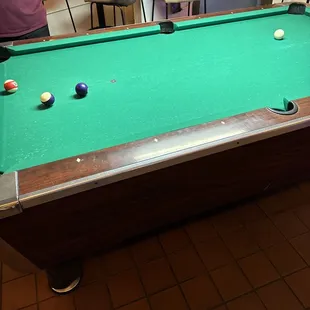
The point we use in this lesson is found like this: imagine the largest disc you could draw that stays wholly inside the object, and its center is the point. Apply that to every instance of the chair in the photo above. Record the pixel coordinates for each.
(115, 3)
(168, 2)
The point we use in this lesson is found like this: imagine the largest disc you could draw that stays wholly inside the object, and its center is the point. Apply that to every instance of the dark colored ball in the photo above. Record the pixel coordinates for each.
(81, 89)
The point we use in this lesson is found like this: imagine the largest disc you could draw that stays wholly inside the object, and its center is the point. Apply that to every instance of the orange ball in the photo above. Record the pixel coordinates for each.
(10, 86)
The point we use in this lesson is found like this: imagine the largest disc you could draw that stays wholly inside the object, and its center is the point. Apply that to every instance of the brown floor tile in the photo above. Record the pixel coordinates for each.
(92, 297)
(265, 233)
(303, 214)
(92, 270)
(117, 261)
(214, 253)
(300, 284)
(157, 276)
(230, 281)
(33, 307)
(43, 289)
(240, 243)
(19, 293)
(201, 293)
(258, 269)
(250, 212)
(289, 224)
(147, 250)
(200, 231)
(285, 258)
(227, 221)
(281, 201)
(174, 240)
(125, 288)
(301, 245)
(58, 303)
(9, 274)
(278, 296)
(272, 203)
(168, 300)
(186, 264)
(138, 305)
(246, 302)
(305, 189)
(221, 308)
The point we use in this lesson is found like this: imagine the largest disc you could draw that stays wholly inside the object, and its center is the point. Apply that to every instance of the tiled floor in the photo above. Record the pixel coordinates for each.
(252, 257)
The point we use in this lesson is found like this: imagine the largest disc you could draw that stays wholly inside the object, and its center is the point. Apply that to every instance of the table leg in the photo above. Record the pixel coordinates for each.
(64, 278)
(100, 14)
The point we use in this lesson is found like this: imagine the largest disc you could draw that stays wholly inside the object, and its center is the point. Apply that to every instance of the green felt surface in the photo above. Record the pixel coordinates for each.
(203, 72)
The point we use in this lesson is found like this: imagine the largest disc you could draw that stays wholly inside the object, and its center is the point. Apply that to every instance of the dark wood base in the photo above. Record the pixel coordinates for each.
(103, 217)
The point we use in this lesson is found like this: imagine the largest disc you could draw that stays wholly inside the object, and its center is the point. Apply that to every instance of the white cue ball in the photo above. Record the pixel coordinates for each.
(279, 34)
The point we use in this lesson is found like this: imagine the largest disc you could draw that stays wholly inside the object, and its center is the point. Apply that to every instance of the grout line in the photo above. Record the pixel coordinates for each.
(283, 277)
(36, 304)
(23, 276)
(206, 269)
(236, 262)
(171, 269)
(140, 278)
(36, 288)
(295, 213)
(108, 291)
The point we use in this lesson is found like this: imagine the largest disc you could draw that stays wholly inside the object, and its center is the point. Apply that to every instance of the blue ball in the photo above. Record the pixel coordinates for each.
(81, 89)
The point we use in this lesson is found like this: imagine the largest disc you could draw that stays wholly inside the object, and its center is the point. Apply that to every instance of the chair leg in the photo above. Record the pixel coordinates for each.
(122, 13)
(91, 16)
(114, 15)
(167, 10)
(195, 7)
(153, 9)
(205, 6)
(143, 10)
(189, 9)
(71, 17)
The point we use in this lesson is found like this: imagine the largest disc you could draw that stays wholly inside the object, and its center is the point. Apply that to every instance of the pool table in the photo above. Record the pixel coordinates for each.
(182, 116)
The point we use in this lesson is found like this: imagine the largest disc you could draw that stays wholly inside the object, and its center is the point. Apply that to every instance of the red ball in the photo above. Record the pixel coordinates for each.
(10, 86)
